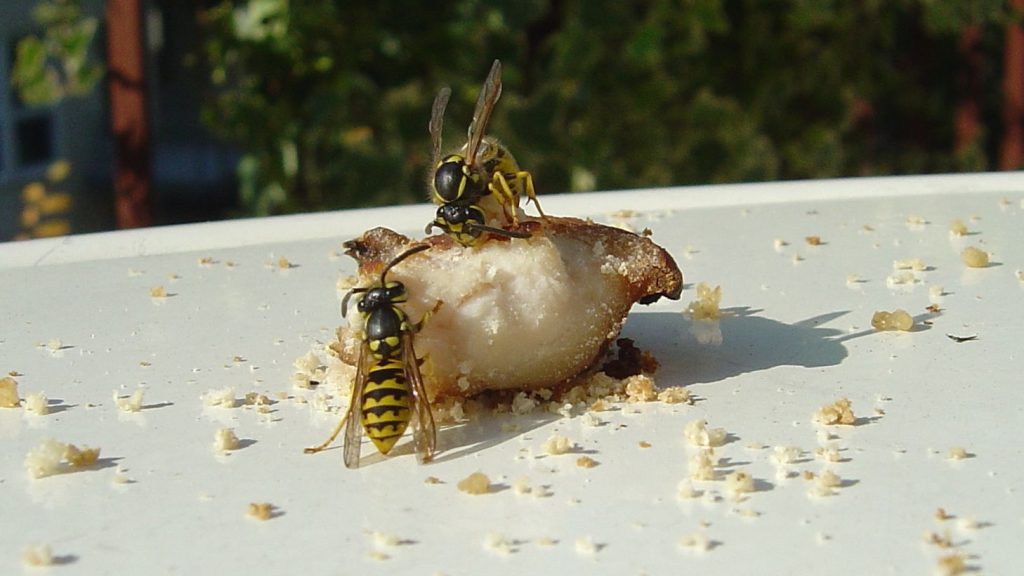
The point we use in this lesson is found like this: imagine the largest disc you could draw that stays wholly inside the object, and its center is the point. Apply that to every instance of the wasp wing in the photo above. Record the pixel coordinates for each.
(354, 424)
(424, 433)
(437, 122)
(489, 95)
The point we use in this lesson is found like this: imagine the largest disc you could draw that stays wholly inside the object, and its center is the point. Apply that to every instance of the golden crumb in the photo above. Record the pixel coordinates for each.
(828, 453)
(37, 555)
(915, 222)
(205, 261)
(898, 319)
(586, 462)
(824, 484)
(476, 483)
(813, 240)
(698, 541)
(557, 445)
(37, 404)
(698, 434)
(686, 491)
(52, 457)
(283, 263)
(739, 483)
(644, 444)
(260, 511)
(952, 565)
(958, 228)
(974, 258)
(585, 545)
(706, 306)
(224, 440)
(943, 540)
(499, 544)
(675, 395)
(158, 292)
(432, 480)
(782, 455)
(9, 393)
(132, 403)
(222, 398)
(641, 388)
(933, 309)
(702, 465)
(957, 453)
(838, 412)
(915, 264)
(941, 515)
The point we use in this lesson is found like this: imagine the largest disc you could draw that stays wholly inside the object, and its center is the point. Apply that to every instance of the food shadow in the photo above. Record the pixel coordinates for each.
(703, 351)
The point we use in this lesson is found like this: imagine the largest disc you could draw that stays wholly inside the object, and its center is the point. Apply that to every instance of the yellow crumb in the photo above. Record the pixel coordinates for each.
(706, 306)
(942, 515)
(813, 240)
(586, 462)
(158, 292)
(697, 541)
(958, 228)
(974, 258)
(585, 545)
(81, 457)
(957, 453)
(37, 404)
(557, 445)
(702, 465)
(898, 319)
(640, 388)
(223, 398)
(476, 483)
(225, 440)
(698, 434)
(675, 395)
(952, 564)
(131, 403)
(9, 393)
(283, 263)
(37, 555)
(52, 457)
(432, 480)
(499, 544)
(260, 510)
(644, 444)
(738, 483)
(838, 412)
(206, 261)
(915, 264)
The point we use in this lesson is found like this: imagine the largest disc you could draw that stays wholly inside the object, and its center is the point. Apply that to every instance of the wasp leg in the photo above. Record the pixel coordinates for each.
(330, 440)
(506, 196)
(414, 328)
(527, 179)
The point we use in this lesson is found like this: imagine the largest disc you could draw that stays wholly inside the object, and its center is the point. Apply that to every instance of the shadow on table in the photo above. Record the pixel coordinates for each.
(695, 351)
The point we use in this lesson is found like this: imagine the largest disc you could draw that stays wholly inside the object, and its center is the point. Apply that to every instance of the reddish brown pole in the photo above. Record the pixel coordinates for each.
(968, 111)
(1012, 150)
(128, 114)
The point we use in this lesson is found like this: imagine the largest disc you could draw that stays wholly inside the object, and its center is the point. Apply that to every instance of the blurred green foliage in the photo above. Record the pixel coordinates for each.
(57, 63)
(329, 101)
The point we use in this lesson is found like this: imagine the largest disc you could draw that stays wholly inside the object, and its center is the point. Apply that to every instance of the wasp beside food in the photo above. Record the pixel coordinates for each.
(388, 394)
(482, 169)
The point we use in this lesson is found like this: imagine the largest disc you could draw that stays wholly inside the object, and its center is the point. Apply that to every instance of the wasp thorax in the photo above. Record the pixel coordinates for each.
(450, 178)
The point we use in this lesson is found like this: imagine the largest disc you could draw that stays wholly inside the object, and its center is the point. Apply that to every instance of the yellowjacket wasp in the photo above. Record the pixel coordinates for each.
(481, 168)
(388, 392)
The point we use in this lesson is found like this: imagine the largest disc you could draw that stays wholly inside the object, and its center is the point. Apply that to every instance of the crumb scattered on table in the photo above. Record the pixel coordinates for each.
(476, 483)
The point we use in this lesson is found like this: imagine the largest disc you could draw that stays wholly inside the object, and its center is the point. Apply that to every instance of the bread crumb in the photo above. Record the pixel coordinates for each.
(557, 445)
(915, 264)
(941, 515)
(640, 388)
(952, 564)
(37, 555)
(702, 465)
(698, 541)
(225, 440)
(53, 344)
(52, 457)
(546, 541)
(899, 278)
(967, 523)
(936, 292)
(432, 480)
(915, 222)
(158, 292)
(838, 412)
(476, 483)
(739, 483)
(957, 453)
(131, 403)
(377, 555)
(261, 511)
(222, 398)
(585, 545)
(699, 435)
(957, 228)
(120, 476)
(675, 395)
(898, 319)
(942, 541)
(9, 393)
(499, 544)
(706, 306)
(205, 261)
(586, 462)
(974, 258)
(778, 244)
(644, 444)
(782, 455)
(825, 484)
(813, 240)
(687, 491)
(37, 404)
(828, 453)
(385, 540)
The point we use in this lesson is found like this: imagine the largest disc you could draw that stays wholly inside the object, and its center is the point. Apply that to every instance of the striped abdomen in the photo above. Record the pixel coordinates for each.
(386, 405)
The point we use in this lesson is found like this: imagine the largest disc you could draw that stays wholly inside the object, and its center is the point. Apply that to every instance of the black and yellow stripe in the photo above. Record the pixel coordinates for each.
(386, 407)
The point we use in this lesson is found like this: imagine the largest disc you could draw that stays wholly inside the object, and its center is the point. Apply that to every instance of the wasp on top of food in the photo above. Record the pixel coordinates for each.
(388, 392)
(478, 187)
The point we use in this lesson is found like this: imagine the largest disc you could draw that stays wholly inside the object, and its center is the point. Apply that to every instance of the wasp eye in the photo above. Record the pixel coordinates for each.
(448, 179)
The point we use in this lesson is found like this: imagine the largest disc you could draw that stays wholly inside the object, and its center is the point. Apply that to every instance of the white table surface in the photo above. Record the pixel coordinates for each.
(796, 336)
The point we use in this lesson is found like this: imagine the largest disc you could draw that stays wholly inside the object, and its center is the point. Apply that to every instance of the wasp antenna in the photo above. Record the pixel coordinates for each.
(399, 258)
(344, 301)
